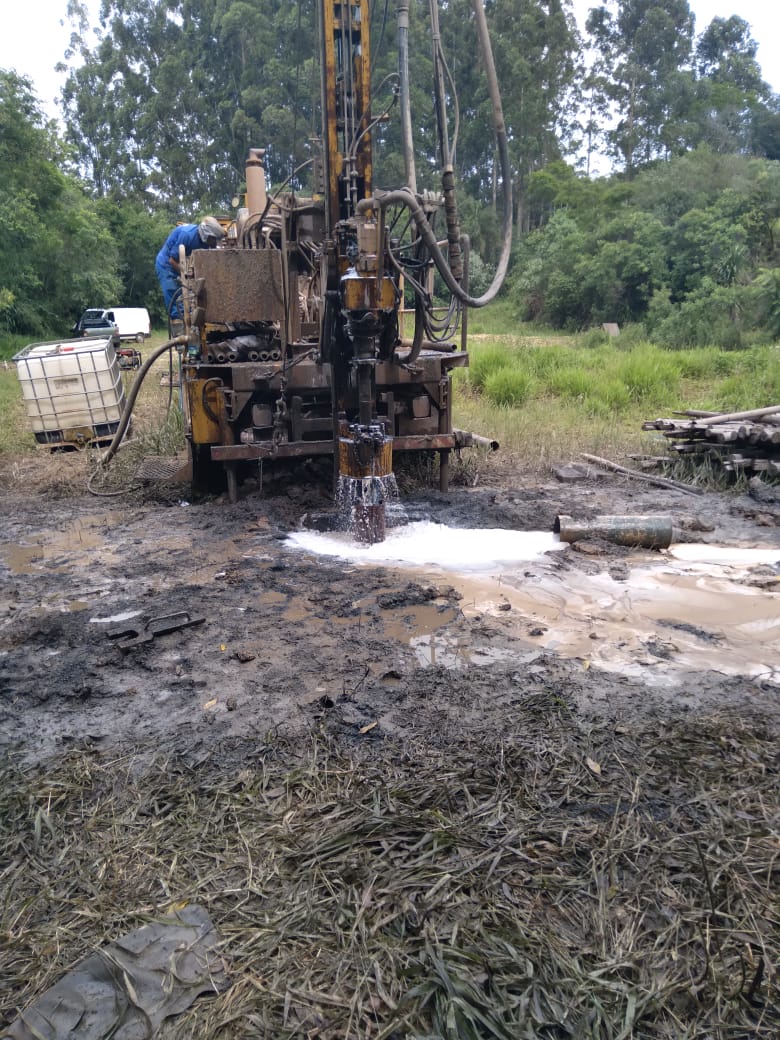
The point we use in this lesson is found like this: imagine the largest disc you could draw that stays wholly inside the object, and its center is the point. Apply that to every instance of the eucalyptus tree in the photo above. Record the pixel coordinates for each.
(645, 49)
(168, 100)
(736, 104)
(536, 47)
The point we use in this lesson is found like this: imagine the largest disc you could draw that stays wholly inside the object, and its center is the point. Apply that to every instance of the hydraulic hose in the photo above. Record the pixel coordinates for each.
(407, 196)
(419, 330)
(143, 371)
(406, 110)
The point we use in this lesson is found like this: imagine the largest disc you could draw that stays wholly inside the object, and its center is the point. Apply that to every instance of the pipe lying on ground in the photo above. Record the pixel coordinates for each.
(647, 532)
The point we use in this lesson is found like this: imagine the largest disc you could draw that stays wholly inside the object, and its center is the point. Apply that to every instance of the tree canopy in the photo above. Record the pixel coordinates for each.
(684, 248)
(163, 101)
(55, 252)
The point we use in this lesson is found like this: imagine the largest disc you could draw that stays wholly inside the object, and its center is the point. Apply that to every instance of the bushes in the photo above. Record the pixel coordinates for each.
(754, 380)
(485, 362)
(574, 383)
(712, 315)
(508, 387)
(704, 363)
(56, 252)
(648, 375)
(689, 252)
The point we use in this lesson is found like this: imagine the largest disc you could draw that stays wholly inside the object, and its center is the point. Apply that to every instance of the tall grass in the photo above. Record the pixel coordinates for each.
(549, 400)
(509, 387)
(489, 361)
(544, 398)
(15, 436)
(499, 318)
(11, 344)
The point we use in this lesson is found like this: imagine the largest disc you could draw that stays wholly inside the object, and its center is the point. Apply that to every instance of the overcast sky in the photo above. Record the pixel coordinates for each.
(33, 40)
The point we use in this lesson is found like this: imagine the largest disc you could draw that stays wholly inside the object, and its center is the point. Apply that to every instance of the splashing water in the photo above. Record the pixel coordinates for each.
(366, 506)
(366, 480)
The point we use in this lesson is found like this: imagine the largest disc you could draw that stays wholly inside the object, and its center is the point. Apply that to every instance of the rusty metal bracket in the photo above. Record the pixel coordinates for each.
(133, 635)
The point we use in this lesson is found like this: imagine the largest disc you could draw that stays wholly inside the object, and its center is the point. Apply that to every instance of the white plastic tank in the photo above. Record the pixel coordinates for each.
(72, 389)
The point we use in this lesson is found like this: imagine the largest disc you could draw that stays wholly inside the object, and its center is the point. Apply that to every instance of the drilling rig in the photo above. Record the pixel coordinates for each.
(294, 337)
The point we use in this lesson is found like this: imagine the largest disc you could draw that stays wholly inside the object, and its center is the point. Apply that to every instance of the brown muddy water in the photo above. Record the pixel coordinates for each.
(688, 608)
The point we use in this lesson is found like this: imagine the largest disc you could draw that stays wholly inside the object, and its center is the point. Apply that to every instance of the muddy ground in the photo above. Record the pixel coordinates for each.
(537, 801)
(288, 640)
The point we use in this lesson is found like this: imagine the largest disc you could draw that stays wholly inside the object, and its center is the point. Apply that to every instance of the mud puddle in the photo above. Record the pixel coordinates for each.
(686, 610)
(423, 646)
(74, 543)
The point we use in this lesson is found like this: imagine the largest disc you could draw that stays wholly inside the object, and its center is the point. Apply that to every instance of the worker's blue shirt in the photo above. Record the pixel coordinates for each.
(186, 235)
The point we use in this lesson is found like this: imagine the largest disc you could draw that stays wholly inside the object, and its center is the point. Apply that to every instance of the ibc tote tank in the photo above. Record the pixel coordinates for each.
(72, 389)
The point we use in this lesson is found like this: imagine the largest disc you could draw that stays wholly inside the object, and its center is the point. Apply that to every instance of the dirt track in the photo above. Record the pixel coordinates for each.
(289, 639)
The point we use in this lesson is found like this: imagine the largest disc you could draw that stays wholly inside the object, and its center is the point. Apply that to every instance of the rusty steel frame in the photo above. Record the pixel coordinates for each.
(246, 283)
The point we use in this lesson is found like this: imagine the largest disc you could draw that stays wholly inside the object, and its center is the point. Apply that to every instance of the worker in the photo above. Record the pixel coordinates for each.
(206, 235)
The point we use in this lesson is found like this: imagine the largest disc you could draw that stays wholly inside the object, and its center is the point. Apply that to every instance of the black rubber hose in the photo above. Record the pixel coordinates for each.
(143, 371)
(408, 198)
(419, 328)
(405, 198)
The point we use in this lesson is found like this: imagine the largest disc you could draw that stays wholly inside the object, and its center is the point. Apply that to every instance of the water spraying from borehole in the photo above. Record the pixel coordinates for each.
(367, 488)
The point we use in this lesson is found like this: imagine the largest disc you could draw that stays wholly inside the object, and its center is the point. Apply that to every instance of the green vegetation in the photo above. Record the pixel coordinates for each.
(544, 397)
(688, 249)
(161, 109)
(11, 344)
(680, 245)
(549, 399)
(15, 436)
(62, 250)
(611, 379)
(54, 250)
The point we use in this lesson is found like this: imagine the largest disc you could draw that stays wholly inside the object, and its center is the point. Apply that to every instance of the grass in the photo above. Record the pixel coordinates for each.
(561, 876)
(15, 437)
(545, 400)
(545, 397)
(498, 318)
(548, 881)
(11, 344)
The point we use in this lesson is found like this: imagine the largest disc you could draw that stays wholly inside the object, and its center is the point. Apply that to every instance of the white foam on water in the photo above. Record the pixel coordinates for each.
(696, 552)
(429, 544)
(692, 608)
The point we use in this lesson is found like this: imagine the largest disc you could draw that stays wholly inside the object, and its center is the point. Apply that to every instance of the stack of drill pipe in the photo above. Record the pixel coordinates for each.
(743, 442)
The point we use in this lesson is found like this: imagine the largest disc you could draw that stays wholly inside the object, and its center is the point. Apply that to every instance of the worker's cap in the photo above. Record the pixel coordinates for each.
(210, 228)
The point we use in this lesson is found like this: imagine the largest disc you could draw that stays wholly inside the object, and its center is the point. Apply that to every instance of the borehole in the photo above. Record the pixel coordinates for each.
(366, 480)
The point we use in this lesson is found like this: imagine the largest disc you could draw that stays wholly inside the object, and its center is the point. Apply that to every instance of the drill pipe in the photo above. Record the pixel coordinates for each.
(647, 532)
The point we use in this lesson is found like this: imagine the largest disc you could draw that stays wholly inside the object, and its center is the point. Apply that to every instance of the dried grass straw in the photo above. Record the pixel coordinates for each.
(558, 881)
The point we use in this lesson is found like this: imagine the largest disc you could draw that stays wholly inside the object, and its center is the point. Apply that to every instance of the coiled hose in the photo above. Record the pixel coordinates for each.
(407, 196)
